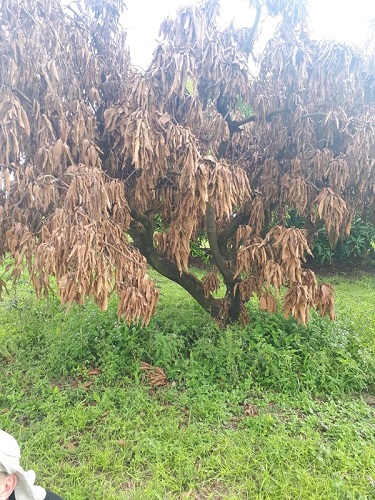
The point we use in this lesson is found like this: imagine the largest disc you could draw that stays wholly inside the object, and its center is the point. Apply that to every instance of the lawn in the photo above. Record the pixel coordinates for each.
(272, 410)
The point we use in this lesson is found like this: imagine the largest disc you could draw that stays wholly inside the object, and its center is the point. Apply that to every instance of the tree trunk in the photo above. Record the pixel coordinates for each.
(169, 269)
(225, 310)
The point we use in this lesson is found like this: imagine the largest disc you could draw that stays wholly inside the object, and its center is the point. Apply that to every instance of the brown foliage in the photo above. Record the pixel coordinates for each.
(210, 283)
(91, 150)
(153, 375)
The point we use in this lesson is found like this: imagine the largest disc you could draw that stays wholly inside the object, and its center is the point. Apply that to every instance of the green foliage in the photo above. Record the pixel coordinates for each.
(238, 407)
(199, 248)
(323, 358)
(245, 109)
(277, 354)
(293, 219)
(322, 249)
(190, 86)
(359, 244)
(158, 223)
(200, 253)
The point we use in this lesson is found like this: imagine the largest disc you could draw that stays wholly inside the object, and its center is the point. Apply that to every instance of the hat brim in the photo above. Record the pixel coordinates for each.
(25, 488)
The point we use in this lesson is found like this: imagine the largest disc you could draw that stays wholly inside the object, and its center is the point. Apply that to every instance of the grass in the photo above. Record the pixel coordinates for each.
(271, 410)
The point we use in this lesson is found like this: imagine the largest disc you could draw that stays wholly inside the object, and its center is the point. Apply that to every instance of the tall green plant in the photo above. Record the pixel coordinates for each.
(358, 244)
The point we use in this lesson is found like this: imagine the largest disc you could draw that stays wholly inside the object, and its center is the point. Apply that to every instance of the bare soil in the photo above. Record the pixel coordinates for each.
(348, 267)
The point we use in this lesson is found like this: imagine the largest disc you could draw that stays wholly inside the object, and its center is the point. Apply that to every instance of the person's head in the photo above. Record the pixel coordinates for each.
(7, 484)
(12, 476)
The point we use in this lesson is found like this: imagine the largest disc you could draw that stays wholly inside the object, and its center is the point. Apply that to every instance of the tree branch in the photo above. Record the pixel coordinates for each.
(21, 94)
(271, 114)
(254, 27)
(222, 265)
(253, 118)
(314, 115)
(235, 126)
(143, 240)
(232, 227)
(146, 223)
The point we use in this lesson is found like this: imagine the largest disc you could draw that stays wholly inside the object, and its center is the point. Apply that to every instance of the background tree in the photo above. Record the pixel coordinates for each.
(92, 150)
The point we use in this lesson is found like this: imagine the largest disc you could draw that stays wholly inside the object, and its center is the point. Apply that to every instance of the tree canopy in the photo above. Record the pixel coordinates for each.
(106, 170)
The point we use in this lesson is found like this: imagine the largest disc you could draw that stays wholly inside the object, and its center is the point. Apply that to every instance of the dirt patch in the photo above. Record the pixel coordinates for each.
(349, 267)
(370, 399)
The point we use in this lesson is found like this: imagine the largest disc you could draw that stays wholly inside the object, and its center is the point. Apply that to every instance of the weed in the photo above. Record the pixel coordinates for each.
(263, 411)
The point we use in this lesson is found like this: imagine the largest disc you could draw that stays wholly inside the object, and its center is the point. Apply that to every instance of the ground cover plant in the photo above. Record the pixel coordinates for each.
(268, 410)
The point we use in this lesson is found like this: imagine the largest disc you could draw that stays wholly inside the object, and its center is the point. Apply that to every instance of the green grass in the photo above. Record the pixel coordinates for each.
(272, 410)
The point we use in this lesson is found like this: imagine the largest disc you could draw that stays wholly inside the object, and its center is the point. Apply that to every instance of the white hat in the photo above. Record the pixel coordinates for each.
(10, 456)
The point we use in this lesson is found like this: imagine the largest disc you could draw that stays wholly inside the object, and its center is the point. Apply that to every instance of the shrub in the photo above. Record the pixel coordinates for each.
(270, 352)
(279, 354)
(359, 244)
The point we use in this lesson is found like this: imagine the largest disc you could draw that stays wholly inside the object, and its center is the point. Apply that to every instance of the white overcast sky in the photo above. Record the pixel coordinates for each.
(344, 20)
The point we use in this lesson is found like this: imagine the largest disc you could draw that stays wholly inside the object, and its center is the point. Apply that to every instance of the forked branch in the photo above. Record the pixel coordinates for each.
(143, 240)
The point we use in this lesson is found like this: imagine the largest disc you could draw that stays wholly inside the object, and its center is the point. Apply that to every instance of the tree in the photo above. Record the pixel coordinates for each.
(93, 152)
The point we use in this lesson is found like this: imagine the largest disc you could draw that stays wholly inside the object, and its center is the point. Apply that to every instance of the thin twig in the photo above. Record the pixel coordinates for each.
(21, 94)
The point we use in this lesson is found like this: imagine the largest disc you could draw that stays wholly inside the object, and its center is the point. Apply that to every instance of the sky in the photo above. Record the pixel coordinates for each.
(344, 20)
